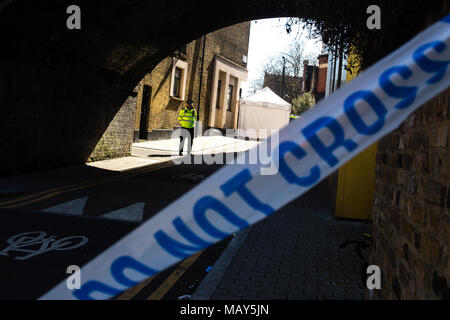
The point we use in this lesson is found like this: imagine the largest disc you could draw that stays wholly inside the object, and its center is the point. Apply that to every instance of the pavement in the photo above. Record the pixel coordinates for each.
(294, 254)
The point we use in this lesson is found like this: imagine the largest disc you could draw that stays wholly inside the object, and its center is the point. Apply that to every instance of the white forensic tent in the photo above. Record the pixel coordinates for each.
(263, 110)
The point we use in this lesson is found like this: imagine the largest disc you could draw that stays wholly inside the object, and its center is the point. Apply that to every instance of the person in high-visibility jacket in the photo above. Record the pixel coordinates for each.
(187, 118)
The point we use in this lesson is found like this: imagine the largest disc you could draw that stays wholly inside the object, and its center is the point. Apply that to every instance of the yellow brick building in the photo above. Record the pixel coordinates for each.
(208, 70)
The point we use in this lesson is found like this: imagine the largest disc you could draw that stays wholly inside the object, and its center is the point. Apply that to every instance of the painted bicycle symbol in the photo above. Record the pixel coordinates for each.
(36, 242)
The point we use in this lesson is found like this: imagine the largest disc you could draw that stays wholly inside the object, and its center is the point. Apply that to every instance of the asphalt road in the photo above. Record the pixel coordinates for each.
(45, 231)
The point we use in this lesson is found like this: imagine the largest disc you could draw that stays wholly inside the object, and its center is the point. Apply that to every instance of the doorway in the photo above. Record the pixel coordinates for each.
(145, 110)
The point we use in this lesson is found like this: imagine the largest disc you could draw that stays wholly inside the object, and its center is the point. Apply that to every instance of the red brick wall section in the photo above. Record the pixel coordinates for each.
(411, 218)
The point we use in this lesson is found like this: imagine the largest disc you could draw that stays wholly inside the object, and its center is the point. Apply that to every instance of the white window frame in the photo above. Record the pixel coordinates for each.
(183, 65)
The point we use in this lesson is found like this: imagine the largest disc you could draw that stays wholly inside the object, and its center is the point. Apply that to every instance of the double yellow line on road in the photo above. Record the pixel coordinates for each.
(45, 194)
(165, 286)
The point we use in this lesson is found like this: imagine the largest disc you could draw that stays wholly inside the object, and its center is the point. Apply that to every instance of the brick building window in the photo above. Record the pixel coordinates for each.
(178, 79)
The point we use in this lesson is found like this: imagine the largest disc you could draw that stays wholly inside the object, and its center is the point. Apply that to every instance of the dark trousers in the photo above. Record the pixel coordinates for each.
(186, 133)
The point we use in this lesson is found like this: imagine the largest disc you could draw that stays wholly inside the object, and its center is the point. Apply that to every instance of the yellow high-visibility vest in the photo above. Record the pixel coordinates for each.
(187, 118)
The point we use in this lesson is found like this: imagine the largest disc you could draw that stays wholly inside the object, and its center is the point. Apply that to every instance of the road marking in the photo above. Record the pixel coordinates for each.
(134, 213)
(173, 278)
(130, 293)
(75, 207)
(81, 186)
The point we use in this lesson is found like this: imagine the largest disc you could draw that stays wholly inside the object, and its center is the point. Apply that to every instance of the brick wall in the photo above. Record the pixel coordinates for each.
(411, 212)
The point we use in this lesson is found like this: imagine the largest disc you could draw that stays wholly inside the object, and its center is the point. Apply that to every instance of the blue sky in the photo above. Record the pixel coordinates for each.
(268, 37)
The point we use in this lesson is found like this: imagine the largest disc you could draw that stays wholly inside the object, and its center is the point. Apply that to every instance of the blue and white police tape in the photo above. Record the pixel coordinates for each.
(237, 196)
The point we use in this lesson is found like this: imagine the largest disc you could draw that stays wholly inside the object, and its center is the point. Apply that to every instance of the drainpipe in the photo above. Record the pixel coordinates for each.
(201, 77)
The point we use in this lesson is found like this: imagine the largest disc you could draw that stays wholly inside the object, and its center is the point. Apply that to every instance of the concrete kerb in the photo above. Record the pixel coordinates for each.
(209, 284)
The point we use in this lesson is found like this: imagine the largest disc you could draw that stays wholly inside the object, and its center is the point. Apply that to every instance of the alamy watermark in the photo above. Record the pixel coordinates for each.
(74, 280)
(74, 20)
(374, 279)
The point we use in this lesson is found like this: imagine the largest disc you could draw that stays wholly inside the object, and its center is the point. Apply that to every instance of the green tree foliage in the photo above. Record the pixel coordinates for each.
(303, 103)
